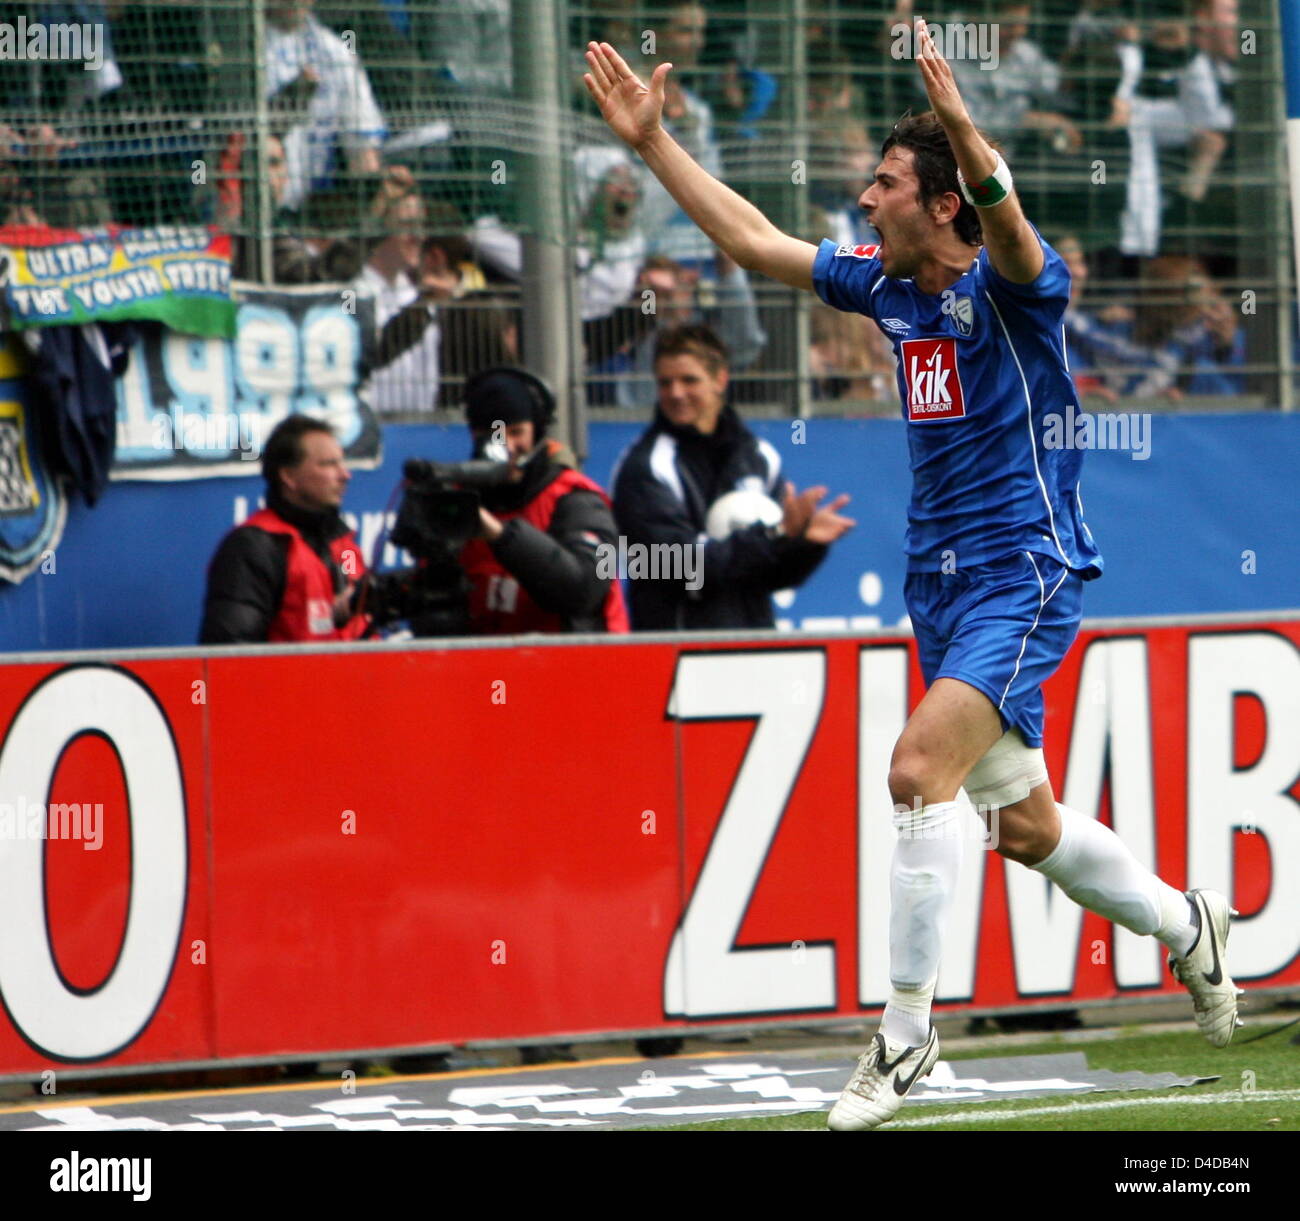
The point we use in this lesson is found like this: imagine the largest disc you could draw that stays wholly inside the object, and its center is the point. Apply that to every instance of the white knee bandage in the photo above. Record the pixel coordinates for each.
(1007, 773)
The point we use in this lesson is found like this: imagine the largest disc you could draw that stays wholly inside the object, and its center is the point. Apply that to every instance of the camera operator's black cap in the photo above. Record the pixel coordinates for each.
(509, 395)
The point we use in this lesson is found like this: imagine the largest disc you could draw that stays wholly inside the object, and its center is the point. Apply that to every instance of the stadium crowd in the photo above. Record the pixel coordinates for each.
(379, 132)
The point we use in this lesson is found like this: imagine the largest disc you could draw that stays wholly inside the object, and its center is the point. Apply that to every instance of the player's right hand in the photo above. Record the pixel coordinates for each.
(633, 110)
(940, 84)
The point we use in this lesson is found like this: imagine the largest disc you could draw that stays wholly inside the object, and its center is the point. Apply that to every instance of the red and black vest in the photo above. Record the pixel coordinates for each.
(307, 609)
(498, 604)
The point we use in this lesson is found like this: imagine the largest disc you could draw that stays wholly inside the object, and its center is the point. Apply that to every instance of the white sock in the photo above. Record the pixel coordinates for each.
(1092, 865)
(923, 876)
(907, 1015)
(1180, 922)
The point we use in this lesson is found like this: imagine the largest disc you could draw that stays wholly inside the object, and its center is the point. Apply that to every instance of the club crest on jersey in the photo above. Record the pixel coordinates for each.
(961, 310)
(963, 315)
(856, 252)
(933, 383)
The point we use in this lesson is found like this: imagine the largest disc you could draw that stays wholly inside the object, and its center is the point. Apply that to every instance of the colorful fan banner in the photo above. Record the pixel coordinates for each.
(175, 274)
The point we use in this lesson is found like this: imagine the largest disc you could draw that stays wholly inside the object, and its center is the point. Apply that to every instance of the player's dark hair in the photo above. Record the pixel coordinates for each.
(695, 340)
(284, 446)
(936, 168)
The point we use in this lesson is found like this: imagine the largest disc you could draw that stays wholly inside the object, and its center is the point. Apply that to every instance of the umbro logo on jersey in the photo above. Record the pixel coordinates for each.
(933, 383)
(896, 325)
(856, 252)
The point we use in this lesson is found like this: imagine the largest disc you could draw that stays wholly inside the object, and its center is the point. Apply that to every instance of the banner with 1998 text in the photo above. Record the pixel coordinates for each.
(191, 408)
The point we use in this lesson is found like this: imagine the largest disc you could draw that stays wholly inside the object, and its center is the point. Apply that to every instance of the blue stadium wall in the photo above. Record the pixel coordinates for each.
(1209, 523)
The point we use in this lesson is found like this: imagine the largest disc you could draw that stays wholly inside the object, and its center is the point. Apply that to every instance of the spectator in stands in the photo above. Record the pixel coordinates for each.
(163, 58)
(480, 330)
(39, 101)
(295, 259)
(1021, 96)
(393, 39)
(1168, 97)
(739, 92)
(1096, 30)
(474, 45)
(324, 94)
(1182, 339)
(669, 295)
(851, 358)
(404, 373)
(1189, 328)
(1102, 361)
(1090, 58)
(696, 451)
(449, 284)
(832, 95)
(611, 246)
(615, 22)
(842, 166)
(688, 117)
(290, 571)
(1218, 35)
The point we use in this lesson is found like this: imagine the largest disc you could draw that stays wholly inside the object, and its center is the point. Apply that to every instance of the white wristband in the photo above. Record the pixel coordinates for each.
(993, 190)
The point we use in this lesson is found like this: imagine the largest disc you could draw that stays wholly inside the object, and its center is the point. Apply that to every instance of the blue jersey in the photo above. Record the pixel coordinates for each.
(981, 372)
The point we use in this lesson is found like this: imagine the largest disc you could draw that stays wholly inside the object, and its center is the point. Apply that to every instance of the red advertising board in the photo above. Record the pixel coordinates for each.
(211, 857)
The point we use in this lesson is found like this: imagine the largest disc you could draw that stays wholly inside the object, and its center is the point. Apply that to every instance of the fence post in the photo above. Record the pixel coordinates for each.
(803, 301)
(548, 326)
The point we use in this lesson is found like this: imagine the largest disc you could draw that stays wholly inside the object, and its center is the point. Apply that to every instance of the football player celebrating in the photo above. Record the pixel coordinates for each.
(972, 299)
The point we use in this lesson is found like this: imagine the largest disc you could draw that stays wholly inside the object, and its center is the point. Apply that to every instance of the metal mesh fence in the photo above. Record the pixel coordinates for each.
(389, 145)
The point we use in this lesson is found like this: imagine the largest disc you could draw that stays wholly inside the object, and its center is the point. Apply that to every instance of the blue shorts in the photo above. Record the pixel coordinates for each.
(1003, 628)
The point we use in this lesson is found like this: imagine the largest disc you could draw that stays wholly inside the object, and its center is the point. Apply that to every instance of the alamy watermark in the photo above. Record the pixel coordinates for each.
(214, 432)
(651, 562)
(81, 820)
(975, 40)
(910, 824)
(23, 40)
(1078, 429)
(128, 1175)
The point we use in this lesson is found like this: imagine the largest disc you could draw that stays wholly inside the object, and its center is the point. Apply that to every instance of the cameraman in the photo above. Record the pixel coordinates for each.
(289, 572)
(534, 566)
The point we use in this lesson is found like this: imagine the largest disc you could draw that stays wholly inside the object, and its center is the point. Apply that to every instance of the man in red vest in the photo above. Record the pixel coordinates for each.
(289, 572)
(536, 565)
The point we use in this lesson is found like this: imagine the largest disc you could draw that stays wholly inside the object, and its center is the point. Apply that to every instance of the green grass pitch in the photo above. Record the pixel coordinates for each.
(1258, 1090)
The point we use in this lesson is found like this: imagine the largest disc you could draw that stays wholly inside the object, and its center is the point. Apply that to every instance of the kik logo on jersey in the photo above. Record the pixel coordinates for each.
(933, 383)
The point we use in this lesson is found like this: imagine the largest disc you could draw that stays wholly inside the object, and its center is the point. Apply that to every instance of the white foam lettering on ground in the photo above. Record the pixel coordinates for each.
(753, 1087)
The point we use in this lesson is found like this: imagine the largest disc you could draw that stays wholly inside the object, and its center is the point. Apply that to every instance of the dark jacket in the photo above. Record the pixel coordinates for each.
(664, 484)
(558, 568)
(71, 373)
(247, 574)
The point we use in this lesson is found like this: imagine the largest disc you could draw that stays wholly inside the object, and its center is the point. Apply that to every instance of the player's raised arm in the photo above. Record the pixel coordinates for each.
(1013, 248)
(634, 111)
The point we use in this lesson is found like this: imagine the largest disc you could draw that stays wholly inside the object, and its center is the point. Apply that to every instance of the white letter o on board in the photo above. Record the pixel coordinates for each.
(57, 1021)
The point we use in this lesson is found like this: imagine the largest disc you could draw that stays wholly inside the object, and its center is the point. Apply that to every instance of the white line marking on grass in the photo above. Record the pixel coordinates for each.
(1077, 1108)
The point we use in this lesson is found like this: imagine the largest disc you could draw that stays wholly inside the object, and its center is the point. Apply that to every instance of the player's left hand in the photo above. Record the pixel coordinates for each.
(940, 86)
